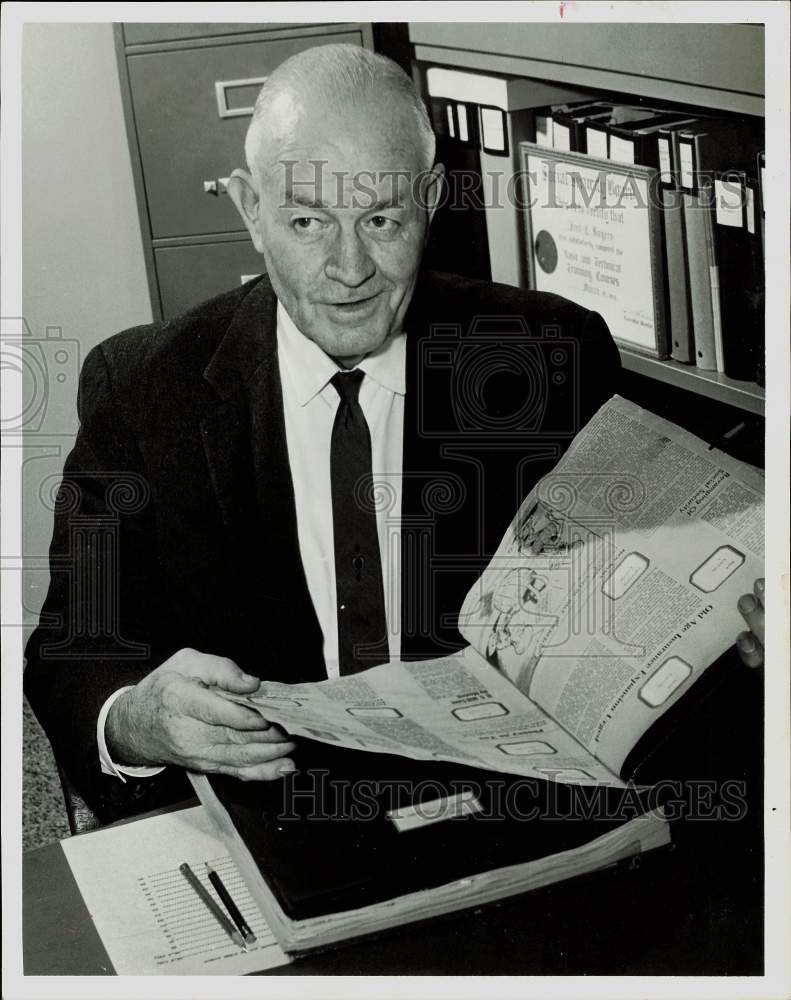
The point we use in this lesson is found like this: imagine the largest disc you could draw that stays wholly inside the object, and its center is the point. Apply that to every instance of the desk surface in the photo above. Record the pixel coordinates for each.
(695, 910)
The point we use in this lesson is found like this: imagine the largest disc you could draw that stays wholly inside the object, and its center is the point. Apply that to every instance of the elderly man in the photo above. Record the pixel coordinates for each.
(210, 530)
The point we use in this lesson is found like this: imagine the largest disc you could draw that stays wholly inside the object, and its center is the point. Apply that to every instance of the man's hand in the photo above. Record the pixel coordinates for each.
(173, 716)
(751, 644)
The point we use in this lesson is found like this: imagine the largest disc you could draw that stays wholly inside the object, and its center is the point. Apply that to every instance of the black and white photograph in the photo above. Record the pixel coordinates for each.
(395, 408)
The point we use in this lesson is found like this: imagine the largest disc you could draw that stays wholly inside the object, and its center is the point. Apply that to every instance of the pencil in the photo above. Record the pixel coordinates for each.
(230, 906)
(222, 920)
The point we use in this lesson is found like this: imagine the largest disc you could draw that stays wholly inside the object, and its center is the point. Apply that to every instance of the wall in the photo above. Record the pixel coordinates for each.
(83, 269)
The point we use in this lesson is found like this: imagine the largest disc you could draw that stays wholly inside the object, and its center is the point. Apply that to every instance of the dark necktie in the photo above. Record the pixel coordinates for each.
(362, 625)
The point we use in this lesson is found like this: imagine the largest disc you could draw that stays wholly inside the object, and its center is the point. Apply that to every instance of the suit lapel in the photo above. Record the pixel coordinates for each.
(245, 444)
(244, 359)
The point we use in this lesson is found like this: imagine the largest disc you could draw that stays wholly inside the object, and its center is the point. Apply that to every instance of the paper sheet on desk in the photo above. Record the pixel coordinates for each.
(149, 918)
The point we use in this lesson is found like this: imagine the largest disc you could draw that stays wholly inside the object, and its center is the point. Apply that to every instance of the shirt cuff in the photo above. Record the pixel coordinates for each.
(105, 761)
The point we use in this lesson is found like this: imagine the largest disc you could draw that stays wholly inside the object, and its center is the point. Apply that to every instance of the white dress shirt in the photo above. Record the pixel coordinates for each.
(309, 404)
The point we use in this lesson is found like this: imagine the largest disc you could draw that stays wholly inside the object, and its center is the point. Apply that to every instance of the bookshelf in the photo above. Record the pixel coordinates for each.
(717, 67)
(714, 385)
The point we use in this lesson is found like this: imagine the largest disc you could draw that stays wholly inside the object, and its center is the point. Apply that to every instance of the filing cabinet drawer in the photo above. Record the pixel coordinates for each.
(191, 131)
(189, 275)
(139, 33)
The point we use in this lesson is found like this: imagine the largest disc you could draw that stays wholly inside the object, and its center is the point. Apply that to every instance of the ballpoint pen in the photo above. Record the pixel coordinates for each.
(230, 906)
(222, 920)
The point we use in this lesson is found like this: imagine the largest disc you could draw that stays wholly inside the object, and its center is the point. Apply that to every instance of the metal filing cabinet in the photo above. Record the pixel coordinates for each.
(188, 92)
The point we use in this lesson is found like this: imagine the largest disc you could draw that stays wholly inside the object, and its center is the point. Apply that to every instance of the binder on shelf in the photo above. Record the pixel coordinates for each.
(740, 265)
(703, 275)
(458, 239)
(634, 142)
(568, 127)
(544, 127)
(597, 133)
(545, 120)
(703, 149)
(682, 347)
(482, 119)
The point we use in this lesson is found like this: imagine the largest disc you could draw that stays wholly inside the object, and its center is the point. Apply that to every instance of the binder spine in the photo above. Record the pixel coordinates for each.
(714, 279)
(682, 346)
(700, 252)
(681, 340)
(502, 192)
(698, 248)
(597, 141)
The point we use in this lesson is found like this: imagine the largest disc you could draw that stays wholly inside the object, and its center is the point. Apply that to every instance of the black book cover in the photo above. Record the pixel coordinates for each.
(324, 843)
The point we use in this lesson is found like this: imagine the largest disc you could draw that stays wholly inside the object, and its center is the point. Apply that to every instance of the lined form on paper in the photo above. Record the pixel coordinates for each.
(148, 916)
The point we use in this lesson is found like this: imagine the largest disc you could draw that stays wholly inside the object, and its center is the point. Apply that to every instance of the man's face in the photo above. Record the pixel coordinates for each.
(341, 226)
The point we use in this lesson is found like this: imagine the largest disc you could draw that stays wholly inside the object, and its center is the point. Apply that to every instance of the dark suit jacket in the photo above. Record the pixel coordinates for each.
(175, 524)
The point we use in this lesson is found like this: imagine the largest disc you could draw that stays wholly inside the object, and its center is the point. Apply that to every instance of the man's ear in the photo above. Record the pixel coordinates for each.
(434, 189)
(243, 193)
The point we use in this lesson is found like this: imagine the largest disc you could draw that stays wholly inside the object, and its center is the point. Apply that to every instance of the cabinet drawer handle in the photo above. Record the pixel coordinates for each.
(220, 186)
(221, 88)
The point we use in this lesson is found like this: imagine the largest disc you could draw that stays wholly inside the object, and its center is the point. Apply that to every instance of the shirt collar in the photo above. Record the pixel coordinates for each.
(387, 364)
(309, 369)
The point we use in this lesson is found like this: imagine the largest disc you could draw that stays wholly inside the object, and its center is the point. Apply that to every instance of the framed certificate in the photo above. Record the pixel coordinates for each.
(593, 235)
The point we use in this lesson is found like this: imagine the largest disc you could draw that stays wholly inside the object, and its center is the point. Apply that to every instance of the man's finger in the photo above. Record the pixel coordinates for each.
(750, 650)
(274, 734)
(753, 613)
(209, 707)
(760, 588)
(248, 755)
(218, 671)
(262, 772)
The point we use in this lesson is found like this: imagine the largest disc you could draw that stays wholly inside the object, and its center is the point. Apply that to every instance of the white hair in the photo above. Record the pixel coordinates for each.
(343, 74)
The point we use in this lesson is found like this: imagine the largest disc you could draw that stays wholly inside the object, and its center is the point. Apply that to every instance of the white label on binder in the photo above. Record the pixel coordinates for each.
(597, 142)
(621, 150)
(763, 190)
(451, 123)
(665, 173)
(435, 811)
(685, 157)
(473, 88)
(749, 211)
(461, 115)
(492, 129)
(729, 199)
(561, 137)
